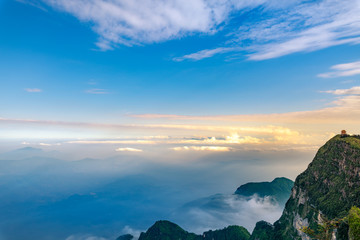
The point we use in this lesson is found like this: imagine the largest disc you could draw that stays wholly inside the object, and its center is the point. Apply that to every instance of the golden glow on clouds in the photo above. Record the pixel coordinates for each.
(303, 129)
(128, 149)
(232, 139)
(350, 91)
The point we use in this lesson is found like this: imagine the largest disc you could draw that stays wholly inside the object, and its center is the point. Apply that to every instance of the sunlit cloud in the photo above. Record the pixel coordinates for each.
(232, 131)
(155, 137)
(33, 90)
(128, 149)
(203, 148)
(343, 70)
(232, 139)
(96, 91)
(49, 144)
(351, 91)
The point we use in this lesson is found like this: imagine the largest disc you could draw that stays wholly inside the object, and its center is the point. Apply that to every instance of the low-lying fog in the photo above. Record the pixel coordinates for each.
(43, 195)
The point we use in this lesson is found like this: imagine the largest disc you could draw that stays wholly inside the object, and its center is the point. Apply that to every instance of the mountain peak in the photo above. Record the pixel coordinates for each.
(279, 188)
(165, 230)
(327, 189)
(353, 140)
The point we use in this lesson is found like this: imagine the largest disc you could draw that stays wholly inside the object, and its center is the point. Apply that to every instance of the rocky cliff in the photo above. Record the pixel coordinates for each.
(327, 189)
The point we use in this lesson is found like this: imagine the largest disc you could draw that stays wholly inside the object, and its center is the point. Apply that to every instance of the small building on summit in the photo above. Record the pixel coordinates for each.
(343, 133)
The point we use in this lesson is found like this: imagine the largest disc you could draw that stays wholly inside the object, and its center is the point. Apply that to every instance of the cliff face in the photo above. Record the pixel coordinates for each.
(328, 189)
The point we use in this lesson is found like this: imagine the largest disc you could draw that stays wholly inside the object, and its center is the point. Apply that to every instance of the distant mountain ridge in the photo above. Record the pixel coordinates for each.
(26, 153)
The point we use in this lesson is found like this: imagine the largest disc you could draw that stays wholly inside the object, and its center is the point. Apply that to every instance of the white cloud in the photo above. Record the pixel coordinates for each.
(301, 26)
(49, 144)
(33, 90)
(207, 53)
(96, 91)
(343, 70)
(308, 26)
(130, 22)
(278, 28)
(351, 91)
(219, 211)
(134, 232)
(232, 139)
(127, 149)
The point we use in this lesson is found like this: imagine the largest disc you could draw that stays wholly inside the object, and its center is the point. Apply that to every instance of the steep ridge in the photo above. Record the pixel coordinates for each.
(327, 189)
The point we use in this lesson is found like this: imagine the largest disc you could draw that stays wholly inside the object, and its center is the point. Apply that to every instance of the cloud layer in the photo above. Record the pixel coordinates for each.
(219, 211)
(217, 133)
(145, 21)
(267, 29)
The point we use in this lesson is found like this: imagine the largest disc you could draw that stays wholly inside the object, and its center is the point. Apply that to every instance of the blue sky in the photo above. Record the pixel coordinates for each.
(107, 62)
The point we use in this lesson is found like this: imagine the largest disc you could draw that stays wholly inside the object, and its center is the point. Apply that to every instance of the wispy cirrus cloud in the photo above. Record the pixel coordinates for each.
(273, 29)
(33, 90)
(206, 53)
(309, 26)
(343, 70)
(146, 21)
(304, 27)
